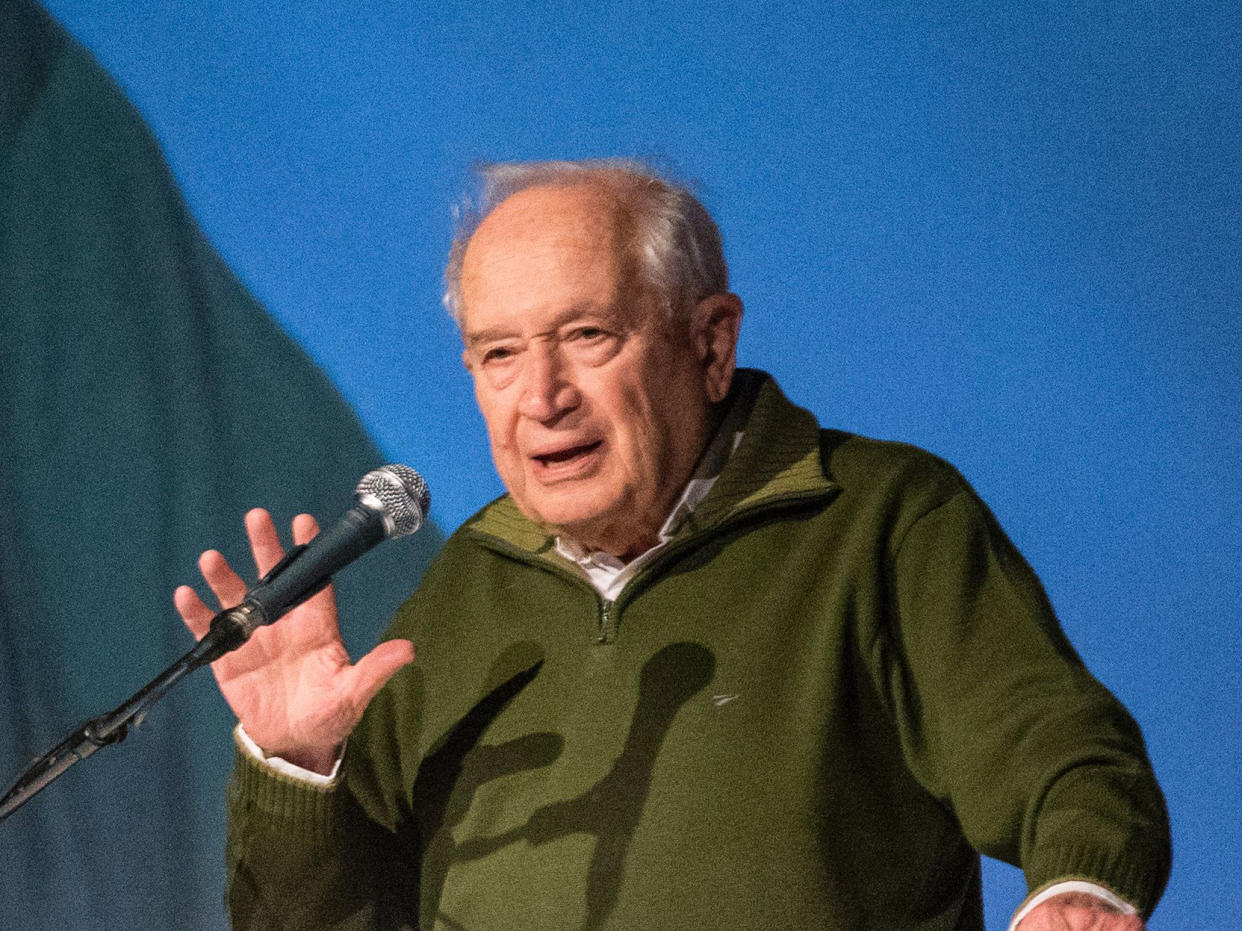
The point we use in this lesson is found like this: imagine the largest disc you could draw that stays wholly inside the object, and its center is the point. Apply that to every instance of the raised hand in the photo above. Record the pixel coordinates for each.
(291, 685)
(1076, 911)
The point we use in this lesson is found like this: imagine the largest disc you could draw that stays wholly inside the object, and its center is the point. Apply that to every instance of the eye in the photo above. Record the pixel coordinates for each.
(498, 354)
(592, 345)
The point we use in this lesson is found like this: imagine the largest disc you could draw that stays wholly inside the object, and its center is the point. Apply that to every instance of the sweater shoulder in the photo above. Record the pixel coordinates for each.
(889, 469)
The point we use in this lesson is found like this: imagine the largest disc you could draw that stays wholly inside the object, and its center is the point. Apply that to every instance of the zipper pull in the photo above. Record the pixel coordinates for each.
(605, 622)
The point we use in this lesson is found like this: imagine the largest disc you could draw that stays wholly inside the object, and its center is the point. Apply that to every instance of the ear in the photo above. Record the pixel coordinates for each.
(714, 326)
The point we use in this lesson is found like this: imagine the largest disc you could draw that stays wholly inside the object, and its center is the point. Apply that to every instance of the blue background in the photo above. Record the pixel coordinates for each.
(1007, 233)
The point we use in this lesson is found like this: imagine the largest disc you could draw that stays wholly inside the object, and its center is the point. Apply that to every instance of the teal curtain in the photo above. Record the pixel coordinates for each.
(148, 401)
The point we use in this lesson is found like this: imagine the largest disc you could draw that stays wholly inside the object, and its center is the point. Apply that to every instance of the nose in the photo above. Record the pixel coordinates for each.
(548, 391)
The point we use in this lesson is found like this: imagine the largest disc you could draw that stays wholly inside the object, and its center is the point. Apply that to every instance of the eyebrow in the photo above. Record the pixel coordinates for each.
(488, 334)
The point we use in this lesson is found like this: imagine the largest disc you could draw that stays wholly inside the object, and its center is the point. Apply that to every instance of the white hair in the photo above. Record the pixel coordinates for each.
(674, 240)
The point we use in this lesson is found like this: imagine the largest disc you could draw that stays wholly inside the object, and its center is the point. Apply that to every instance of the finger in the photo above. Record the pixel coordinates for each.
(265, 544)
(194, 612)
(377, 667)
(224, 583)
(305, 529)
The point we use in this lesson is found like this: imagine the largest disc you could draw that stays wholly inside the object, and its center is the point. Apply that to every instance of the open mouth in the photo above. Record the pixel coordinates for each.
(566, 459)
(567, 455)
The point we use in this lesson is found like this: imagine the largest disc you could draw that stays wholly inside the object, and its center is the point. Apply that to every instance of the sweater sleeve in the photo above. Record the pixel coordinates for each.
(1000, 720)
(303, 856)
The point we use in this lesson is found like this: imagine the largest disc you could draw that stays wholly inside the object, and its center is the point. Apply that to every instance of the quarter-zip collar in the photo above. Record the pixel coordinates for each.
(777, 461)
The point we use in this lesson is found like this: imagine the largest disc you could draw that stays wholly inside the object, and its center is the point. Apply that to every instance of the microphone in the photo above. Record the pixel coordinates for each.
(392, 502)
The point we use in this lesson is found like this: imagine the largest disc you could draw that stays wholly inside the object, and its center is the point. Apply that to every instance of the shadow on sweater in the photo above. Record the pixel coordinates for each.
(610, 810)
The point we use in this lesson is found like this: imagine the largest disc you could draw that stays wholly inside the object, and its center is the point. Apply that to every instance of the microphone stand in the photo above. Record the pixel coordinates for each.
(229, 630)
(108, 728)
(391, 502)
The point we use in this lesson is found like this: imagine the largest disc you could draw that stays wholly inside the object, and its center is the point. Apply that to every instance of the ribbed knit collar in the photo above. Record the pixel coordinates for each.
(777, 460)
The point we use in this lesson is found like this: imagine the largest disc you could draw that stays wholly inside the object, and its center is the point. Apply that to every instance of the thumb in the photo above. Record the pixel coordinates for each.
(376, 668)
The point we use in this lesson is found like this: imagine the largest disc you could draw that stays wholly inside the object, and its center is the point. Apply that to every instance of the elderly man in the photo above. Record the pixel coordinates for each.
(704, 665)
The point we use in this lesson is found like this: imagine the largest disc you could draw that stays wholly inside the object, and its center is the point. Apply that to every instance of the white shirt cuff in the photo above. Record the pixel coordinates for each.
(1072, 885)
(283, 766)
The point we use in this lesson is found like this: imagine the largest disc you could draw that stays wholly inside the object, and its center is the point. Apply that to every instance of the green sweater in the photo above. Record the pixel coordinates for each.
(836, 684)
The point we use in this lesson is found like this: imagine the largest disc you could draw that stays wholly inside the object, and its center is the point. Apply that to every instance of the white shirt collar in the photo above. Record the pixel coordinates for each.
(606, 572)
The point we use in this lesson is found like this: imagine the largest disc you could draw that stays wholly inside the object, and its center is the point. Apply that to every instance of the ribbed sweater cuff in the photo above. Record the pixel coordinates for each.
(304, 812)
(1136, 876)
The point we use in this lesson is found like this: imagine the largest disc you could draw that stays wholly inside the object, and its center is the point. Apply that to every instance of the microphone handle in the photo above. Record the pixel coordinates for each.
(308, 568)
(304, 572)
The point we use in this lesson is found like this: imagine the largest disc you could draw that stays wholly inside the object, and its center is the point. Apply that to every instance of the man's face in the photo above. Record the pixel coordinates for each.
(597, 405)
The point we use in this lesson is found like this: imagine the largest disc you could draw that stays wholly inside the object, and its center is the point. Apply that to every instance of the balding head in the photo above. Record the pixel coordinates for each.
(670, 238)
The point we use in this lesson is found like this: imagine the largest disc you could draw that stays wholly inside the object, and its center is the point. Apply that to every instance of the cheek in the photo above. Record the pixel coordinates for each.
(643, 442)
(666, 433)
(499, 419)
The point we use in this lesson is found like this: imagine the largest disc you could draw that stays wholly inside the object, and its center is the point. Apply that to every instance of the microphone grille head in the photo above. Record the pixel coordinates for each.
(399, 493)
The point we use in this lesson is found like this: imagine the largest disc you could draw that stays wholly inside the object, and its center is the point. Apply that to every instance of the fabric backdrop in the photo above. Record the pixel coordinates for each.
(148, 401)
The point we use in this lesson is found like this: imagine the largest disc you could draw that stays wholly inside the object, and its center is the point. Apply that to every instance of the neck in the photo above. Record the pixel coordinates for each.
(634, 541)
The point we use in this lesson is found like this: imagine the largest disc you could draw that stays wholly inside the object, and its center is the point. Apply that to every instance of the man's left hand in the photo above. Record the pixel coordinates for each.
(1078, 911)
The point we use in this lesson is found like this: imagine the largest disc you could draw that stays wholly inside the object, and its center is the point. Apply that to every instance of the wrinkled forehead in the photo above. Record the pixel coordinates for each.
(544, 231)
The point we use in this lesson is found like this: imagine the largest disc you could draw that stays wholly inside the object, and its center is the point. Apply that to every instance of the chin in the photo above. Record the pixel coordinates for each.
(579, 520)
(571, 523)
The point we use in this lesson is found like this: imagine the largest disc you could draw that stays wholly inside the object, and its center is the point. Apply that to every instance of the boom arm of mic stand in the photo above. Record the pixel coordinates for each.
(229, 630)
(106, 729)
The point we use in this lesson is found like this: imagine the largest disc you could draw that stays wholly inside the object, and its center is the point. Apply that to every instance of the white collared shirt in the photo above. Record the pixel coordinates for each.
(608, 574)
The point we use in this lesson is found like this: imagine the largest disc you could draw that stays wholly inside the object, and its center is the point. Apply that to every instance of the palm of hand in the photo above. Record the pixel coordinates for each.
(292, 685)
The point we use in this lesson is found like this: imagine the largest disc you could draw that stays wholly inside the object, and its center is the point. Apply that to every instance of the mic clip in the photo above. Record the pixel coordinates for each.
(233, 626)
(282, 565)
